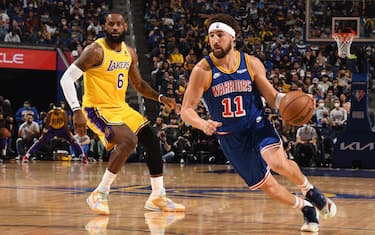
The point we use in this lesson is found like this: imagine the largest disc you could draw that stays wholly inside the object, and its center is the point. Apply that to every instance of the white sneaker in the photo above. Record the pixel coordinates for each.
(98, 202)
(162, 203)
(311, 219)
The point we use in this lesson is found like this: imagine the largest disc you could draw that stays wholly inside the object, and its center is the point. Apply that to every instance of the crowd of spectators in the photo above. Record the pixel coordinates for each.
(61, 23)
(272, 31)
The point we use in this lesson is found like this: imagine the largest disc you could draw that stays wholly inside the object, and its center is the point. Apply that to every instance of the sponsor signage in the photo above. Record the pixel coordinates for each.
(355, 146)
(27, 59)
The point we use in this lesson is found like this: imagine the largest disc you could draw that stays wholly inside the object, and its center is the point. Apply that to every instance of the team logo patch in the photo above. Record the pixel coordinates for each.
(359, 94)
(216, 75)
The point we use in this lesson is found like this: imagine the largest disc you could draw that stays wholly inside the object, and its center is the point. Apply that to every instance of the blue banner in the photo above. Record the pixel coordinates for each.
(355, 146)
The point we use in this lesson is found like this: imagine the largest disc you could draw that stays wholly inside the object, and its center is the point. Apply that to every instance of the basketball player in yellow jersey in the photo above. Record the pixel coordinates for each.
(106, 66)
(56, 126)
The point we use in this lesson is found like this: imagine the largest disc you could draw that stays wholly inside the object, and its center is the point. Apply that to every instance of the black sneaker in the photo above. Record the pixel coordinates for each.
(311, 220)
(325, 205)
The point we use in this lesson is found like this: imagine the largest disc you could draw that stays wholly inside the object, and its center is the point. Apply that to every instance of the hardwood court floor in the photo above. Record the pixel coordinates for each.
(49, 198)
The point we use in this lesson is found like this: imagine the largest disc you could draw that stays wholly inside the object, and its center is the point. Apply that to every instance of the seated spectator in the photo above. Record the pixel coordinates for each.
(182, 147)
(159, 124)
(176, 58)
(325, 83)
(327, 134)
(165, 147)
(320, 110)
(28, 133)
(172, 130)
(316, 86)
(338, 117)
(12, 37)
(345, 102)
(336, 88)
(329, 100)
(305, 151)
(3, 30)
(23, 111)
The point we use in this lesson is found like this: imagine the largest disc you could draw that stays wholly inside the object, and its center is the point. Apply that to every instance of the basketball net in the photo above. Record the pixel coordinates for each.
(343, 40)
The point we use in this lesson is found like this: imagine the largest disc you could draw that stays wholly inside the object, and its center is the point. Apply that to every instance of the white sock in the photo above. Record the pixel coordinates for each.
(157, 186)
(27, 155)
(305, 187)
(107, 180)
(300, 203)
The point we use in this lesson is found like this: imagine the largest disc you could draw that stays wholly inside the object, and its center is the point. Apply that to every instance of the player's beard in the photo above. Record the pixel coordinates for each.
(115, 39)
(223, 52)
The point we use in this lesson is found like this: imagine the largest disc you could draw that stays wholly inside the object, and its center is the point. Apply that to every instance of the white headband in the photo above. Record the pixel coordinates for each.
(222, 27)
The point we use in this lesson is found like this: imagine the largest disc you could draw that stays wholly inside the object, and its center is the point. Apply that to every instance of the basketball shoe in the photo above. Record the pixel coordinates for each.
(326, 206)
(158, 221)
(25, 159)
(162, 203)
(311, 220)
(97, 225)
(98, 202)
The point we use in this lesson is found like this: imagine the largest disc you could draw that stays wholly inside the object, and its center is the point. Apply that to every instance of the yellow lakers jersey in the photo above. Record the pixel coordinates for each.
(56, 120)
(105, 85)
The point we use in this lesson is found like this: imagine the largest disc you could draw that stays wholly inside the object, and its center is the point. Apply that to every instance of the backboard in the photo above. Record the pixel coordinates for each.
(324, 17)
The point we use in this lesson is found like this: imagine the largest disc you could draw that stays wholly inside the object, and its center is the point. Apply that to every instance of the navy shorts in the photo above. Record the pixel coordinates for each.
(243, 150)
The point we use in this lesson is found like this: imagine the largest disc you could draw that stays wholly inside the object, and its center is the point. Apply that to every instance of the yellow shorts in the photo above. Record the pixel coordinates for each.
(99, 120)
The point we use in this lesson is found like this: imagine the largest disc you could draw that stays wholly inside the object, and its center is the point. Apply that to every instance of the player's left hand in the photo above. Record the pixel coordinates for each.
(171, 102)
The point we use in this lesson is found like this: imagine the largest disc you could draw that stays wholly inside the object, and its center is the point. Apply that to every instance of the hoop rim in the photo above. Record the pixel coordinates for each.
(343, 37)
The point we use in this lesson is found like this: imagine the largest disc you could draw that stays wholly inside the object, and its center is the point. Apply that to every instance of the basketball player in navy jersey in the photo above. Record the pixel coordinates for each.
(232, 83)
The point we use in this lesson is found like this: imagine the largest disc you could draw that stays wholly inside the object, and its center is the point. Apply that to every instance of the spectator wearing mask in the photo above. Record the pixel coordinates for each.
(338, 116)
(320, 110)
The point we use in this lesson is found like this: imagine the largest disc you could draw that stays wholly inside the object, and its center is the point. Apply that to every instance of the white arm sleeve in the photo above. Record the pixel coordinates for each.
(72, 74)
(279, 97)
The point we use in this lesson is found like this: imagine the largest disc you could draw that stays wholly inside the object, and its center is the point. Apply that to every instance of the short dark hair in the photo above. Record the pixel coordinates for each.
(226, 19)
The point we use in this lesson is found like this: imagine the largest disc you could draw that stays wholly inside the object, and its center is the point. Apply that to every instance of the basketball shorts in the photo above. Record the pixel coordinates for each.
(100, 121)
(243, 150)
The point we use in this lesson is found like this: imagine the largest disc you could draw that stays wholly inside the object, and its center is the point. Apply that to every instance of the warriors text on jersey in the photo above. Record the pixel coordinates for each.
(232, 97)
(57, 118)
(106, 84)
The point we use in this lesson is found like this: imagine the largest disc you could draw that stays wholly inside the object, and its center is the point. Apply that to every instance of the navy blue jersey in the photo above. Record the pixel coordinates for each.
(232, 97)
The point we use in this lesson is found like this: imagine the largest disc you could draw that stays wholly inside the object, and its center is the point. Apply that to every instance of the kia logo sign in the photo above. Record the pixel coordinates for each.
(7, 58)
(357, 146)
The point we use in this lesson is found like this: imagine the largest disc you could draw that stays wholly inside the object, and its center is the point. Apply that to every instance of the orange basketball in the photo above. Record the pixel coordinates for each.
(296, 108)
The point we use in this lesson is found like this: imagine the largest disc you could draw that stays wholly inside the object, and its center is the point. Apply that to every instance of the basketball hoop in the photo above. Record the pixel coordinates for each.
(343, 40)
